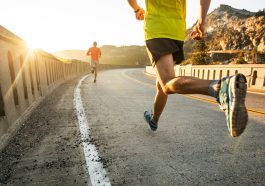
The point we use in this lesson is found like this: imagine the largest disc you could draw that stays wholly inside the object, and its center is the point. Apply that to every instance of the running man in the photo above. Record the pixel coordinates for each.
(95, 54)
(165, 29)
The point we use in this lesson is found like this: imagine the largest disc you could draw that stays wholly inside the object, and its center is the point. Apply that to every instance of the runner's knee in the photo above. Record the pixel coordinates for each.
(163, 88)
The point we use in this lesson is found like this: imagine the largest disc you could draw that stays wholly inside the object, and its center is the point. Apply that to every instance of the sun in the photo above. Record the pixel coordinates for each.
(32, 45)
(36, 43)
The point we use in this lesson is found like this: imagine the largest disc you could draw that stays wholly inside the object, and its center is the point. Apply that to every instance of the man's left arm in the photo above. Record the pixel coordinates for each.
(99, 53)
(199, 28)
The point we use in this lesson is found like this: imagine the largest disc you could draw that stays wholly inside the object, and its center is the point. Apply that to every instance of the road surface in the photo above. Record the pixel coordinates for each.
(191, 147)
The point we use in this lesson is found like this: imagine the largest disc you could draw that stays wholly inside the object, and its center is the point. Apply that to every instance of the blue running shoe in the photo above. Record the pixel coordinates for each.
(148, 119)
(231, 98)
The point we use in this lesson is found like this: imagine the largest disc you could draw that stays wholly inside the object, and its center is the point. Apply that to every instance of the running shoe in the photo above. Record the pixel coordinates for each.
(231, 98)
(148, 119)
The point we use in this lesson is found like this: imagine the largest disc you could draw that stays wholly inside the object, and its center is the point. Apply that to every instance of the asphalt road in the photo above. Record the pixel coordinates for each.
(191, 146)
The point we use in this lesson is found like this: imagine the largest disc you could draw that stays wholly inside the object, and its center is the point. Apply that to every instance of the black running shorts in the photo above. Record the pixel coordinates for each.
(159, 47)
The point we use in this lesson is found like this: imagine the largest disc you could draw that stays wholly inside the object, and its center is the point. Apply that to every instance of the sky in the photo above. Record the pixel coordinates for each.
(54, 25)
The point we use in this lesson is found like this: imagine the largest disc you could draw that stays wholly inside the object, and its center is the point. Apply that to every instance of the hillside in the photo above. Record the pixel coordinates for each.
(125, 55)
(233, 29)
(73, 54)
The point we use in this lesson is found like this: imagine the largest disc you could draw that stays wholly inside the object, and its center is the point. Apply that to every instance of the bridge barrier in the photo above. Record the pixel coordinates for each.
(26, 77)
(255, 73)
(110, 66)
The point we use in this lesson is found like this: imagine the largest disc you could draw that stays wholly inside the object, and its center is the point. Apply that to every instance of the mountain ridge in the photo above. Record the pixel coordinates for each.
(229, 28)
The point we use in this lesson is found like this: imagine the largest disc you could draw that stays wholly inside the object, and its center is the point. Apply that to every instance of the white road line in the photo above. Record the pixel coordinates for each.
(97, 173)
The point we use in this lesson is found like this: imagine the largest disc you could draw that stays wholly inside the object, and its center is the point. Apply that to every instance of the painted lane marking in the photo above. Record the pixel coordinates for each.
(258, 112)
(214, 102)
(136, 80)
(98, 175)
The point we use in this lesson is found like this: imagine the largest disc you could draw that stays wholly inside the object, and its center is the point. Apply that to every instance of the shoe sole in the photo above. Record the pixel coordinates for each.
(238, 110)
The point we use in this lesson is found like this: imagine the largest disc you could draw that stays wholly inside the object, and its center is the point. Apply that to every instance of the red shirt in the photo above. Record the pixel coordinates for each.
(95, 53)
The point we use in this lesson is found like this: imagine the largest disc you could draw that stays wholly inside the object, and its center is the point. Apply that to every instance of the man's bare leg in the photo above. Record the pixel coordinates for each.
(159, 102)
(169, 84)
(95, 73)
(181, 85)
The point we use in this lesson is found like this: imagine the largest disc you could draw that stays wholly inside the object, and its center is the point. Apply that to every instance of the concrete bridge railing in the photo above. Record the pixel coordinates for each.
(26, 77)
(255, 73)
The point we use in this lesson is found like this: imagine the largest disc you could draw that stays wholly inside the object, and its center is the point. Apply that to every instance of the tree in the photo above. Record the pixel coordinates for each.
(200, 55)
(240, 59)
(254, 55)
(260, 13)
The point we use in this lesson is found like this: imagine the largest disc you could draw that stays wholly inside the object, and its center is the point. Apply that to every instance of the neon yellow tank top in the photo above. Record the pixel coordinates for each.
(165, 19)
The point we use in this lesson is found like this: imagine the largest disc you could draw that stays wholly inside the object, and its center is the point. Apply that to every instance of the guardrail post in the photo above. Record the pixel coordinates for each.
(6, 88)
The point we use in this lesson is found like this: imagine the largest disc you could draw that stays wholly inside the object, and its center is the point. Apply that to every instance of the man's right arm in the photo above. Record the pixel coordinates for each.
(99, 55)
(139, 12)
(203, 11)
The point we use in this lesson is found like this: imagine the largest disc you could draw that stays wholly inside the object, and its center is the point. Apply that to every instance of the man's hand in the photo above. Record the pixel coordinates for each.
(198, 31)
(140, 14)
